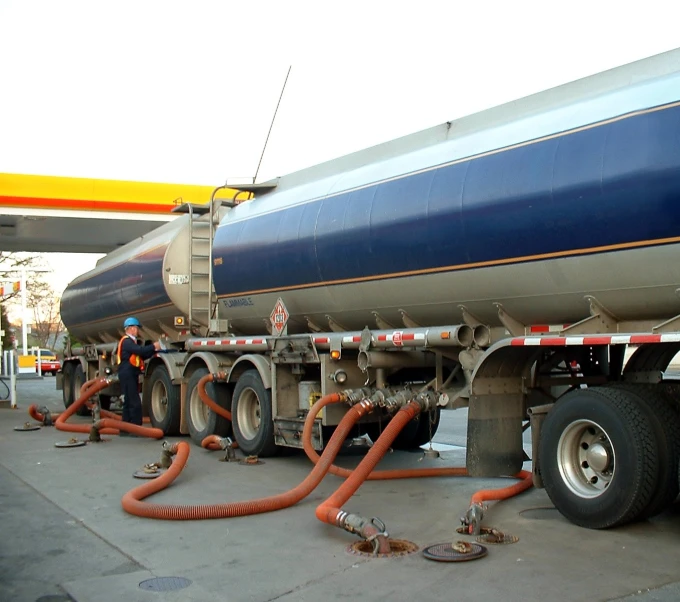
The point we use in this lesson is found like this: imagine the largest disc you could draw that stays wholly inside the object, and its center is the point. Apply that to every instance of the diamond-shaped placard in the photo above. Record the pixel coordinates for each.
(279, 318)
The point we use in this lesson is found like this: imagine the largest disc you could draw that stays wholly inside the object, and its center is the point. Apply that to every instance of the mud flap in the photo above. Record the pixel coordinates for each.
(494, 441)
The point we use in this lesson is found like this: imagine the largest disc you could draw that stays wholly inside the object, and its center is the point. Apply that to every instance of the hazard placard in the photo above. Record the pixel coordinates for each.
(279, 318)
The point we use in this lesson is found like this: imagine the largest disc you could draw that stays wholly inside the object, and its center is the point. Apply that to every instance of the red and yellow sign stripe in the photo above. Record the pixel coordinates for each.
(85, 194)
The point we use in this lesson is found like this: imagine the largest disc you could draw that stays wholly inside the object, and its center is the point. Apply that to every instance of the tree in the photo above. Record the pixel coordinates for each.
(10, 266)
(47, 324)
(5, 324)
(40, 296)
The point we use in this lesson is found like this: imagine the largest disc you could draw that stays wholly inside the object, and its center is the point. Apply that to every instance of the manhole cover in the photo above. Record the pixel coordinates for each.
(27, 427)
(164, 584)
(70, 443)
(445, 552)
(399, 547)
(540, 513)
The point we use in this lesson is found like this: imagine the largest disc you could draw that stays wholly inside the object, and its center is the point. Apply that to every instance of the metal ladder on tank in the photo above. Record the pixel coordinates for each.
(202, 298)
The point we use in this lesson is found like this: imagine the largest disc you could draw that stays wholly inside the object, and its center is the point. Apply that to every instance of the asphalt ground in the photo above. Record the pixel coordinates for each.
(64, 535)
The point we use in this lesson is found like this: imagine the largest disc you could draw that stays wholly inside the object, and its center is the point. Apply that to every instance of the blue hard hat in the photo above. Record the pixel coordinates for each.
(131, 322)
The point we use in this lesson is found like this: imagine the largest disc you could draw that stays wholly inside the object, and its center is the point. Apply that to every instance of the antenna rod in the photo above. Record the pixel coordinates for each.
(272, 124)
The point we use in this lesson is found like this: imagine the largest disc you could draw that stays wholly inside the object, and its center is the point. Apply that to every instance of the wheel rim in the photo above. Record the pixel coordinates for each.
(159, 401)
(199, 411)
(586, 458)
(249, 414)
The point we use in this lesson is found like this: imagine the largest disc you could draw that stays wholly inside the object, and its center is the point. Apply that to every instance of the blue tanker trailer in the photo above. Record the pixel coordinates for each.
(518, 262)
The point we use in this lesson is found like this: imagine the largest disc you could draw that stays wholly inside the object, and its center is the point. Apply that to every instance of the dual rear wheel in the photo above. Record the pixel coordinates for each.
(609, 455)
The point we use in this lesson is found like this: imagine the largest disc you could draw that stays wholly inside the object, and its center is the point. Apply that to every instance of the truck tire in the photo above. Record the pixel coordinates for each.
(77, 382)
(251, 416)
(666, 422)
(162, 403)
(67, 385)
(201, 419)
(417, 431)
(599, 459)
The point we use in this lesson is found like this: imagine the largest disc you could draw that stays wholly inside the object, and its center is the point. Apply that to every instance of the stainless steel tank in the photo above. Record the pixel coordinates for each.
(147, 278)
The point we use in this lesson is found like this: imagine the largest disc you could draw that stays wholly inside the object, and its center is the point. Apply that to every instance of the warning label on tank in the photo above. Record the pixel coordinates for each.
(179, 279)
(279, 318)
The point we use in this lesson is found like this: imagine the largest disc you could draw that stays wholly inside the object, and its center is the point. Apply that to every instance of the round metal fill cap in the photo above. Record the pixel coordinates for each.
(447, 552)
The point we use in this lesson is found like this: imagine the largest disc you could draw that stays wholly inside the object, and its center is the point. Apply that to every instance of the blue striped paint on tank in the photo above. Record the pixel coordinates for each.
(122, 290)
(616, 183)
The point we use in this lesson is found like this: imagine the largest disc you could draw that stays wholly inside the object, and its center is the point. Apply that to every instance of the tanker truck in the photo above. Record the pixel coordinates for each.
(519, 262)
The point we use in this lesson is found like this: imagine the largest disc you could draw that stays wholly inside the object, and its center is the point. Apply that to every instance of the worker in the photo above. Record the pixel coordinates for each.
(131, 358)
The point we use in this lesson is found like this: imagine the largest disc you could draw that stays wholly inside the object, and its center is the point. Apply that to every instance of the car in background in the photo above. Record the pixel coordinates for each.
(49, 364)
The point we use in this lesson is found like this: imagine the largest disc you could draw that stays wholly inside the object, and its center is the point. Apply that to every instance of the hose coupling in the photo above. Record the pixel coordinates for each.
(47, 416)
(166, 458)
(381, 395)
(94, 434)
(225, 443)
(473, 519)
(354, 396)
(428, 400)
(219, 377)
(398, 400)
(377, 536)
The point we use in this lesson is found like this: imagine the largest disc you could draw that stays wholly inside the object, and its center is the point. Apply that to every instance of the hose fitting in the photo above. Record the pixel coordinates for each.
(372, 530)
(398, 400)
(94, 434)
(428, 400)
(47, 417)
(166, 458)
(354, 396)
(473, 519)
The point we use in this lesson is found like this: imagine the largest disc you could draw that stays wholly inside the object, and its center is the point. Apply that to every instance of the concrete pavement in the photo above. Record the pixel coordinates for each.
(65, 535)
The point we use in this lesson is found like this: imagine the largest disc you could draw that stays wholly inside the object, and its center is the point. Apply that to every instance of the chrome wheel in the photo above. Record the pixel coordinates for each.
(249, 414)
(159, 400)
(586, 458)
(198, 411)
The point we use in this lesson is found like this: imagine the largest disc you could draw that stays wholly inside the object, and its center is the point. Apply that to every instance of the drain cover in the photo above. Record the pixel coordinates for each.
(144, 474)
(399, 547)
(444, 552)
(250, 461)
(165, 584)
(27, 426)
(69, 443)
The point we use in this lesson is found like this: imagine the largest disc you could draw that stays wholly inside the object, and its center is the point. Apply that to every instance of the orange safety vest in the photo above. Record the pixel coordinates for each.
(135, 360)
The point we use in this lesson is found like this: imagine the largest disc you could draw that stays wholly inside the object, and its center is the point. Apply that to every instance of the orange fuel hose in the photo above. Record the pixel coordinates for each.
(214, 443)
(105, 426)
(331, 511)
(35, 413)
(133, 504)
(205, 398)
(480, 496)
(95, 385)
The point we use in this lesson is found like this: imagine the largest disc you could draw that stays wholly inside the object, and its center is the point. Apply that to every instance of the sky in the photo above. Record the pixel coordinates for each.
(184, 92)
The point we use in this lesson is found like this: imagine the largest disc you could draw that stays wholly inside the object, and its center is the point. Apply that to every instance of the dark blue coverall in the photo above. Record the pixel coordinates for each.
(129, 378)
